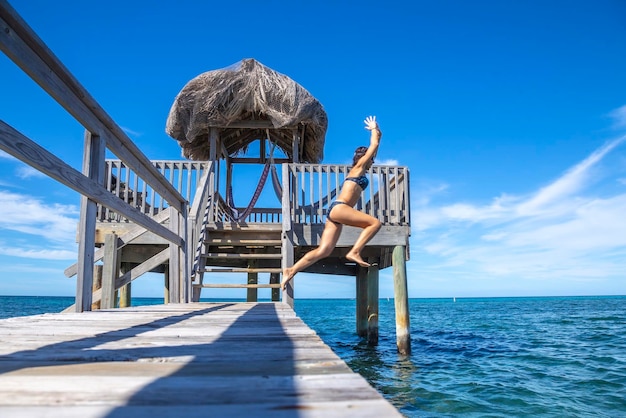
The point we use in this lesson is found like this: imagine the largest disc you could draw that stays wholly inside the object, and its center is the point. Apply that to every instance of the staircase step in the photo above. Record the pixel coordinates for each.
(241, 270)
(276, 256)
(243, 242)
(246, 228)
(238, 286)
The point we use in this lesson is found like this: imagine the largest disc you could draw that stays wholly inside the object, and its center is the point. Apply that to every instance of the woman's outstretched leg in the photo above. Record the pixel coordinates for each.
(366, 235)
(350, 216)
(327, 244)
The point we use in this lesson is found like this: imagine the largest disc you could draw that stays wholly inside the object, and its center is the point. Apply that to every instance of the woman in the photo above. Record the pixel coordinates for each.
(341, 211)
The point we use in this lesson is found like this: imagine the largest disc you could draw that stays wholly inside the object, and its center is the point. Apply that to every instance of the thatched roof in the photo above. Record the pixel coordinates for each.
(232, 97)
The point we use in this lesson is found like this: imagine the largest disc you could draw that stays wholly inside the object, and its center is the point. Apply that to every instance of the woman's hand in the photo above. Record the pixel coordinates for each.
(370, 123)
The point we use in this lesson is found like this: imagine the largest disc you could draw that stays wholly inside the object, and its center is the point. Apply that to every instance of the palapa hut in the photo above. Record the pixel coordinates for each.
(215, 118)
(245, 102)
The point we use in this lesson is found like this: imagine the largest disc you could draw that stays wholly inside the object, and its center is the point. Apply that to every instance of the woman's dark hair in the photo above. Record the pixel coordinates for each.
(358, 153)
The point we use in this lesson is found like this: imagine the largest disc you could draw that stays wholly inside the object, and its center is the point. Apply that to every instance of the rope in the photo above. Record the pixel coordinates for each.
(257, 193)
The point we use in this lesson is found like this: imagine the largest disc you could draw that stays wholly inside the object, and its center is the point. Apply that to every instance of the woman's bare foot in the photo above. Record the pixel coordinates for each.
(288, 274)
(357, 259)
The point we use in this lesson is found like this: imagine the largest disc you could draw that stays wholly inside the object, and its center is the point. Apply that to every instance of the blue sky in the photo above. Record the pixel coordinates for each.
(511, 116)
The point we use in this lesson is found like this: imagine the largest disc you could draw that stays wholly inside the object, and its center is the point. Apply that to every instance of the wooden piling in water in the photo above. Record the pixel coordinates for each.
(253, 295)
(275, 279)
(361, 302)
(125, 291)
(97, 284)
(401, 301)
(372, 305)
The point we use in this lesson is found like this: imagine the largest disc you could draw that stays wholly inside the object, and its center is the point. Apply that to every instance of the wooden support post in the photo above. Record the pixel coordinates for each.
(97, 284)
(253, 294)
(184, 267)
(287, 237)
(125, 291)
(110, 271)
(401, 301)
(166, 276)
(361, 302)
(275, 279)
(175, 279)
(372, 305)
(125, 296)
(93, 167)
(196, 292)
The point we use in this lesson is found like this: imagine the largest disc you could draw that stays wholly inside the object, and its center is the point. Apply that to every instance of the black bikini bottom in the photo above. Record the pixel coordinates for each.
(330, 209)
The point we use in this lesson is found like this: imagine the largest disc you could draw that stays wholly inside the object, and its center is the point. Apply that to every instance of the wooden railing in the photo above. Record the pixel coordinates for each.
(22, 45)
(123, 181)
(313, 187)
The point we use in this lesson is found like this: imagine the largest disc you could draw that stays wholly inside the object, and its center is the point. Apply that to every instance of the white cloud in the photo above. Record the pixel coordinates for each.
(131, 133)
(29, 215)
(572, 181)
(25, 172)
(563, 232)
(619, 117)
(45, 254)
(5, 156)
(388, 162)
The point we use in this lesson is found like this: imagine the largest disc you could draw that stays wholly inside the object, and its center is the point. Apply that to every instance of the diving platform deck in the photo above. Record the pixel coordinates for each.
(192, 359)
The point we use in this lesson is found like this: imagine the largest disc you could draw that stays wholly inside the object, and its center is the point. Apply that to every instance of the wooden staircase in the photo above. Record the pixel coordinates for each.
(241, 248)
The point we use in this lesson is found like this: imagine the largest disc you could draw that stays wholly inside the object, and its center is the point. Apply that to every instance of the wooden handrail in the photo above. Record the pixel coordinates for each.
(22, 45)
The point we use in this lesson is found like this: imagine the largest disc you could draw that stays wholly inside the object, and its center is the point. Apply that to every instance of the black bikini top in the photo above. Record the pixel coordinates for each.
(362, 181)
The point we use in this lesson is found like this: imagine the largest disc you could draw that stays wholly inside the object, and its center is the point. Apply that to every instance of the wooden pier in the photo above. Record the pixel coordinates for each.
(178, 218)
(193, 359)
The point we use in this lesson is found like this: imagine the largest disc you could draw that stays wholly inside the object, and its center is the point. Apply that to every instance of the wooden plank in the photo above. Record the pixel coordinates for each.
(388, 235)
(209, 359)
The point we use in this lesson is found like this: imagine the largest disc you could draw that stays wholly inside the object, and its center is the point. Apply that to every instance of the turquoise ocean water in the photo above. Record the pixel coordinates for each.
(491, 357)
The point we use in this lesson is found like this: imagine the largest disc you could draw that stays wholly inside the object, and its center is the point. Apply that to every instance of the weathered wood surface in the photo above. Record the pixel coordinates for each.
(198, 359)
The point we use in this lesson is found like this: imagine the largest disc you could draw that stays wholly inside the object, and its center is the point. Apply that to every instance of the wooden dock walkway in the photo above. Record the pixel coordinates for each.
(195, 359)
